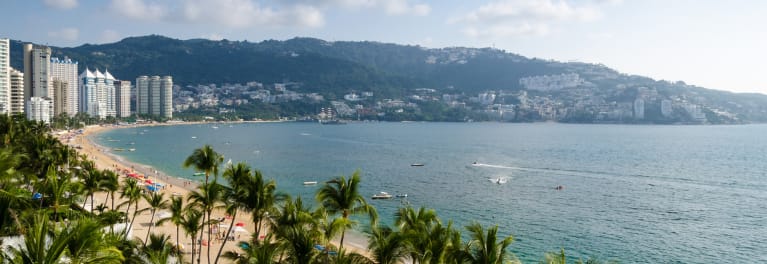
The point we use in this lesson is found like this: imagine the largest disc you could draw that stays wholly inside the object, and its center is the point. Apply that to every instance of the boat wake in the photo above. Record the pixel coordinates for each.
(499, 180)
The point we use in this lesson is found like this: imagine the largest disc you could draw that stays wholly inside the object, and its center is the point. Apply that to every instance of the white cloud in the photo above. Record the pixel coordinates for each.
(391, 7)
(67, 34)
(227, 13)
(523, 17)
(138, 9)
(245, 13)
(109, 36)
(61, 4)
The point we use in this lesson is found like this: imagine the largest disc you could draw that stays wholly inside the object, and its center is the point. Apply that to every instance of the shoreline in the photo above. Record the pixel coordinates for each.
(104, 158)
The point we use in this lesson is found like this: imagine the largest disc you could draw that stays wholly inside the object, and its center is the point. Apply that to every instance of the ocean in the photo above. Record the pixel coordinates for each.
(632, 193)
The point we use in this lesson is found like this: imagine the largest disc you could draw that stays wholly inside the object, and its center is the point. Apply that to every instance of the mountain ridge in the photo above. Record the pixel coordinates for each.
(389, 70)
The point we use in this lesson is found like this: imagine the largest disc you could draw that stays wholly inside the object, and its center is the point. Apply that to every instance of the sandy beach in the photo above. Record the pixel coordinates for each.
(172, 186)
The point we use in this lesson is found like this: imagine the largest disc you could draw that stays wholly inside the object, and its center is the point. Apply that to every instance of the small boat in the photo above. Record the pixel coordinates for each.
(310, 183)
(382, 196)
(417, 164)
(199, 173)
(214, 127)
(402, 195)
(193, 137)
(131, 149)
(119, 149)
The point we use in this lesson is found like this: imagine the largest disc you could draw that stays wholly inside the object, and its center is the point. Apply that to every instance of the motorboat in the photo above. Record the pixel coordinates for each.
(131, 149)
(417, 164)
(310, 183)
(382, 196)
(402, 195)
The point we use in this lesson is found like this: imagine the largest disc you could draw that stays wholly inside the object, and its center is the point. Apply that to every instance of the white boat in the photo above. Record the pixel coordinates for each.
(310, 183)
(381, 196)
(402, 195)
(215, 127)
(131, 149)
(417, 164)
(193, 137)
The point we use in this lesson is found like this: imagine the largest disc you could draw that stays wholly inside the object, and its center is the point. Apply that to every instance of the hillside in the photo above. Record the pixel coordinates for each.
(388, 70)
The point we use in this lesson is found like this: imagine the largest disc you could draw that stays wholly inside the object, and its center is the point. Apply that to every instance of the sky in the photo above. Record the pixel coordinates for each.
(710, 43)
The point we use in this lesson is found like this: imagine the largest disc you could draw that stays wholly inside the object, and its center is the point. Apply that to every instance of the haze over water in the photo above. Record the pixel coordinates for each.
(637, 194)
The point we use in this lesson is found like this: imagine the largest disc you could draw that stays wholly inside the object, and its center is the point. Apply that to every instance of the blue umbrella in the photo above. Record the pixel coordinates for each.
(151, 188)
(36, 196)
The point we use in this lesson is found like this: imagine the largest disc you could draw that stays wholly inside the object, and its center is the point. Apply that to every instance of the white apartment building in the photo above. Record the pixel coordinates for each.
(17, 92)
(39, 109)
(65, 70)
(154, 96)
(37, 77)
(122, 98)
(97, 93)
(5, 76)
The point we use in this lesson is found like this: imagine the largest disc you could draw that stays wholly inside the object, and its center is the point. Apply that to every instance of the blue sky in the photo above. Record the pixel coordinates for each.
(715, 44)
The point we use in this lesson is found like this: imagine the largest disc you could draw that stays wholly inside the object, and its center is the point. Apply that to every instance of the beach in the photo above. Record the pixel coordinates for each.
(105, 158)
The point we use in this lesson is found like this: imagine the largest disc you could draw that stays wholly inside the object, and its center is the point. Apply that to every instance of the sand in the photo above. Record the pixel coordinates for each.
(105, 159)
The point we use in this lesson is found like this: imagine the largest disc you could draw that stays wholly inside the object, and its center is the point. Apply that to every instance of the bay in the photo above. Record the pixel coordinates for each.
(637, 194)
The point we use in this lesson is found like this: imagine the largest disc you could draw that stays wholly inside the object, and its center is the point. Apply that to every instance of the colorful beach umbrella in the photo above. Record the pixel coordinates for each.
(240, 224)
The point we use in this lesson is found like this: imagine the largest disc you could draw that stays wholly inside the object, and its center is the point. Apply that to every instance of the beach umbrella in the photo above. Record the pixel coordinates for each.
(239, 229)
(148, 181)
(240, 224)
(164, 214)
(151, 188)
(37, 196)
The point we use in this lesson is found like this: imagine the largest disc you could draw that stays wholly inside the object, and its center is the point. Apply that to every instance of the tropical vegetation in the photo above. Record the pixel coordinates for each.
(49, 214)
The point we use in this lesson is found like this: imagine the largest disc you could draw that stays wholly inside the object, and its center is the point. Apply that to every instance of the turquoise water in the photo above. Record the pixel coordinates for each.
(638, 194)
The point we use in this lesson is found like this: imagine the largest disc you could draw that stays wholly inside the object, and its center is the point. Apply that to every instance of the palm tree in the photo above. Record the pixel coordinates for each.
(90, 182)
(258, 251)
(82, 241)
(156, 201)
(342, 196)
(158, 250)
(343, 257)
(235, 197)
(483, 248)
(419, 228)
(295, 226)
(387, 246)
(207, 199)
(261, 199)
(85, 243)
(192, 222)
(205, 159)
(110, 183)
(176, 215)
(132, 192)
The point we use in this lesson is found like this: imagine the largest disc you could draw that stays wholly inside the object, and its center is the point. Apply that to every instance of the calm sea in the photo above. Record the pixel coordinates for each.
(637, 194)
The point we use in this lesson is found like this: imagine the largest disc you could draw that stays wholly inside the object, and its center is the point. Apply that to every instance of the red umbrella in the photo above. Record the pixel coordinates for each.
(240, 224)
(149, 181)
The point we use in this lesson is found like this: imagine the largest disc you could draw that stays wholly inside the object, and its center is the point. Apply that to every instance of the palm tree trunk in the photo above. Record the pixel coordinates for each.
(178, 249)
(341, 244)
(93, 203)
(193, 249)
(202, 235)
(106, 198)
(113, 200)
(148, 231)
(209, 241)
(130, 225)
(226, 238)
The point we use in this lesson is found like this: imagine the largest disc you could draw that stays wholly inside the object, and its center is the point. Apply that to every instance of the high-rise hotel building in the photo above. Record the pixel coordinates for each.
(37, 82)
(17, 92)
(65, 72)
(154, 96)
(5, 76)
(122, 98)
(97, 93)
